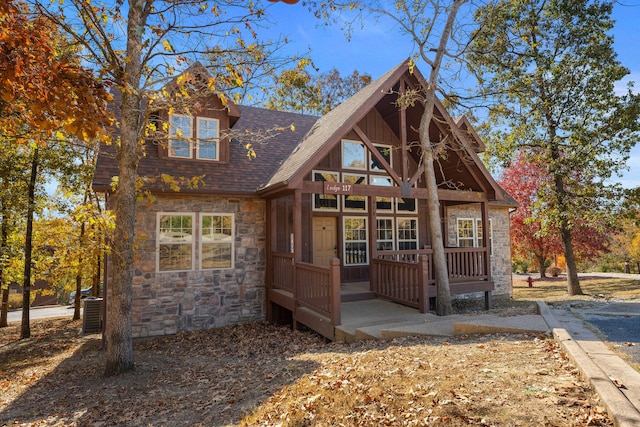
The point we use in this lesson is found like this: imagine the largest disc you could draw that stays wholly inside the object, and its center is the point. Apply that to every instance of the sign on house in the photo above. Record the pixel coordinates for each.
(338, 188)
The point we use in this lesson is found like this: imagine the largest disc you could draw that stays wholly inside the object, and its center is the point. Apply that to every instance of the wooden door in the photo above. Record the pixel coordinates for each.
(325, 240)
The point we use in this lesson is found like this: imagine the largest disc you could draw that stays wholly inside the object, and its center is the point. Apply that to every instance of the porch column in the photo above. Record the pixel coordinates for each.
(297, 226)
(269, 273)
(373, 240)
(484, 208)
(297, 246)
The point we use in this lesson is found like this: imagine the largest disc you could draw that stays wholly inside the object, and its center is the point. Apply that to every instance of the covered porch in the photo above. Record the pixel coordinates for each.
(350, 205)
(314, 296)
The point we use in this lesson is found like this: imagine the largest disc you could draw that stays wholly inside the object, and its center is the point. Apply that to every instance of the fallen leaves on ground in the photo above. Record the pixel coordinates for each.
(261, 374)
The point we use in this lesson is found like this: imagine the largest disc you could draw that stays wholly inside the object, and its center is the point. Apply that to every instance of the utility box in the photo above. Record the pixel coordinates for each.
(92, 316)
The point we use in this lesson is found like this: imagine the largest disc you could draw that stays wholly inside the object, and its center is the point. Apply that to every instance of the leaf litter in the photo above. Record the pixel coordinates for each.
(259, 374)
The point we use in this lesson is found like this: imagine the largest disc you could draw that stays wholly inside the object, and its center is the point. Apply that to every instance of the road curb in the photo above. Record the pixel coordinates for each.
(620, 409)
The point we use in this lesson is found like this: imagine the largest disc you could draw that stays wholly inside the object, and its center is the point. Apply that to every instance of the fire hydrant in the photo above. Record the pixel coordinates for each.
(530, 281)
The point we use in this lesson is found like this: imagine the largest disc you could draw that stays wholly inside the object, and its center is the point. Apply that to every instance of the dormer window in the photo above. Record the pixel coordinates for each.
(208, 138)
(180, 134)
(185, 142)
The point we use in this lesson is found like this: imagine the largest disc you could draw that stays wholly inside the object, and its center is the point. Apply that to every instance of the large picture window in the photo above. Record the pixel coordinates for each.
(385, 151)
(216, 243)
(355, 241)
(383, 204)
(353, 202)
(180, 134)
(208, 137)
(353, 155)
(175, 242)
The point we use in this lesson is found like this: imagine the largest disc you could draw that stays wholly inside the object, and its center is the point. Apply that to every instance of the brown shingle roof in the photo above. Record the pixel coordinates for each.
(241, 175)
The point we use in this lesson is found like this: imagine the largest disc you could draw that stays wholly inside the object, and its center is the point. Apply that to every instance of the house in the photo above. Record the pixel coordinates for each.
(326, 202)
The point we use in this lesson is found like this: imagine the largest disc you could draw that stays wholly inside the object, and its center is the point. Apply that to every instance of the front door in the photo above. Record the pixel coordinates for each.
(325, 240)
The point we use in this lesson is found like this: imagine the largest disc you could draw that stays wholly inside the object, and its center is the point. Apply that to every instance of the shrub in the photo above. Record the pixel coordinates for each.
(554, 271)
(15, 301)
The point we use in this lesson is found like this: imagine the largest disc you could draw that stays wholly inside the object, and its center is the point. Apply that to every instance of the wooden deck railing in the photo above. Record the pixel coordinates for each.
(283, 271)
(404, 282)
(318, 290)
(407, 277)
(309, 286)
(312, 293)
(465, 264)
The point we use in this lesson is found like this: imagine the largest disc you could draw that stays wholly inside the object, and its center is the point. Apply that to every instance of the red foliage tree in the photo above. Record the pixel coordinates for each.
(531, 237)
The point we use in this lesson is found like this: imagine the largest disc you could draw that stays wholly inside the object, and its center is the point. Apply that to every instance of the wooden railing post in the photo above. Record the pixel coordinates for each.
(423, 274)
(334, 290)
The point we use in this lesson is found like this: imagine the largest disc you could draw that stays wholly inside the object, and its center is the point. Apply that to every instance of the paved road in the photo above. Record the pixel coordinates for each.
(42, 313)
(619, 323)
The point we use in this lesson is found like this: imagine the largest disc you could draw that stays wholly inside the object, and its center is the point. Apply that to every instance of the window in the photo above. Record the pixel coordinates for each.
(466, 233)
(383, 204)
(353, 202)
(323, 201)
(384, 234)
(479, 234)
(175, 242)
(355, 241)
(470, 233)
(385, 151)
(216, 243)
(404, 204)
(180, 133)
(407, 234)
(353, 155)
(208, 134)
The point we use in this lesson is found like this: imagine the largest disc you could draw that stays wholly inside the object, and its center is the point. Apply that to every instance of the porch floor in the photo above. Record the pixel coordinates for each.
(380, 319)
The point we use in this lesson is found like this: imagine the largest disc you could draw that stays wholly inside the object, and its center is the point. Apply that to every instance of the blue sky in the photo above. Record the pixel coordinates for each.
(377, 48)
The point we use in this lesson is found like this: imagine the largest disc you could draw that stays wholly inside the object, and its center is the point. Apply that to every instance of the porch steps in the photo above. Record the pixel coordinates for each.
(388, 321)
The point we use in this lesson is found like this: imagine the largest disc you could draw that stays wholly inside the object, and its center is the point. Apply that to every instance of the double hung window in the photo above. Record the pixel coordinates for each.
(355, 241)
(187, 143)
(179, 234)
(469, 233)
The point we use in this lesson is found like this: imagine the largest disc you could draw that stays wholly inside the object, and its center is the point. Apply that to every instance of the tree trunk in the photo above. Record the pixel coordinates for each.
(5, 304)
(573, 284)
(25, 331)
(4, 235)
(443, 300)
(118, 314)
(541, 260)
(78, 299)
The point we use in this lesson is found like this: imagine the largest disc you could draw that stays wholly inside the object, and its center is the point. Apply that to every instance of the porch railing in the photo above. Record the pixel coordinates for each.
(466, 264)
(314, 287)
(408, 277)
(319, 288)
(283, 271)
(404, 282)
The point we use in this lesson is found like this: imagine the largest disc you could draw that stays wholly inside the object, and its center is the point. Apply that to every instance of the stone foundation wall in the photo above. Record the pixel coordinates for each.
(171, 302)
(501, 256)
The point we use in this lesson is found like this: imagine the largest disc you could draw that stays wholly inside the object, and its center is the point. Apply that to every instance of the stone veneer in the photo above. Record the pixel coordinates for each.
(501, 257)
(170, 302)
